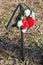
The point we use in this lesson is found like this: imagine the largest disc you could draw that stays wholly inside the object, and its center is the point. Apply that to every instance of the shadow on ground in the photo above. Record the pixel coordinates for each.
(33, 53)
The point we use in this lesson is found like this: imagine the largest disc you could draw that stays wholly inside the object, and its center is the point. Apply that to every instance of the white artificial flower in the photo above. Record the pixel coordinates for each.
(24, 30)
(19, 24)
(27, 12)
(33, 15)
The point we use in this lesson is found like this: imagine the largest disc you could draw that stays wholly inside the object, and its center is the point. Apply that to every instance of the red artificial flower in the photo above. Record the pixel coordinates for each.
(27, 23)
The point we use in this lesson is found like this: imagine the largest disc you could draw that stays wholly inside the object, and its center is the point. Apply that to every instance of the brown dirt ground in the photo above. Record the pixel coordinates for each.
(33, 38)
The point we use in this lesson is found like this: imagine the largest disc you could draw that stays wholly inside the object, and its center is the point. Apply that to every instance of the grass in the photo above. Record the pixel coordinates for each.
(5, 56)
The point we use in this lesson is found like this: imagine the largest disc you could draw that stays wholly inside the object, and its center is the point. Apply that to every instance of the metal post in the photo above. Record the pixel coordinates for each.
(22, 40)
(12, 15)
(22, 54)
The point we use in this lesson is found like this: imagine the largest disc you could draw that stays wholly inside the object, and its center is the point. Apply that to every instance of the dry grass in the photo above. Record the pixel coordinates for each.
(32, 35)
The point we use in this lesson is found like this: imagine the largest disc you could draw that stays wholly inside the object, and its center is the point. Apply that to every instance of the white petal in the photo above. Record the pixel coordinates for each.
(33, 15)
(27, 12)
(19, 24)
(24, 30)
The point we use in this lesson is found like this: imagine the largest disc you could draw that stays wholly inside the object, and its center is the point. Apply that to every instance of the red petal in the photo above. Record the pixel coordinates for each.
(31, 22)
(27, 23)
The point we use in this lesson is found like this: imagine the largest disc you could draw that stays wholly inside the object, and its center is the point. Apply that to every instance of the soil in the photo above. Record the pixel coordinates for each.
(10, 40)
